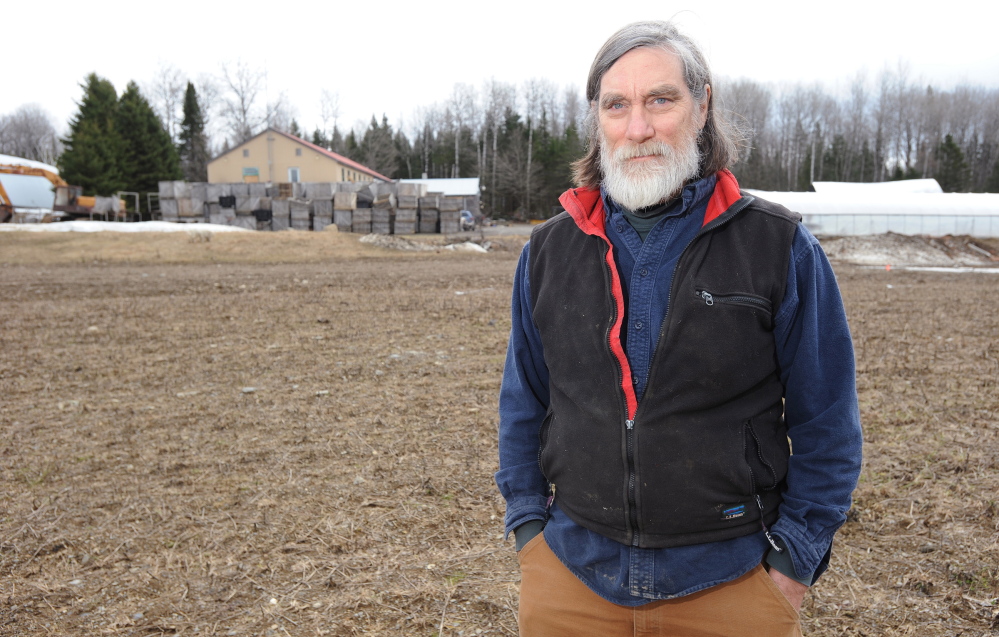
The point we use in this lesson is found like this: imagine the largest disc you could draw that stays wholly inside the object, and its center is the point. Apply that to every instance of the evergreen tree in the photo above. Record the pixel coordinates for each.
(992, 185)
(336, 141)
(319, 139)
(92, 157)
(294, 129)
(408, 160)
(351, 149)
(148, 155)
(378, 150)
(193, 141)
(952, 174)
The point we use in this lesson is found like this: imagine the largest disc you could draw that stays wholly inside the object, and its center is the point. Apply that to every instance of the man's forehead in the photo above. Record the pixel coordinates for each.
(654, 69)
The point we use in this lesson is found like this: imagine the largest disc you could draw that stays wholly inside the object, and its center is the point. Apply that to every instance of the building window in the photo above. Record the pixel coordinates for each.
(293, 175)
(246, 152)
(298, 152)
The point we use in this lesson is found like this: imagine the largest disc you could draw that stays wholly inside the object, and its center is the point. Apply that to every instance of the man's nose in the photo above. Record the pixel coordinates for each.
(640, 128)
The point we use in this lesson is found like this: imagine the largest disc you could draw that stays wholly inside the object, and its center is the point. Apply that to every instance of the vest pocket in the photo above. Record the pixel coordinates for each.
(546, 426)
(752, 301)
(763, 475)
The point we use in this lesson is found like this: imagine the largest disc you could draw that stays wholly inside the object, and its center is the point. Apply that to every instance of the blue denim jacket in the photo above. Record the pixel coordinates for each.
(815, 354)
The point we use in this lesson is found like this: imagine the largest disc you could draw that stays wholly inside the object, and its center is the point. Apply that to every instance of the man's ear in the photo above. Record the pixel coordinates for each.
(703, 107)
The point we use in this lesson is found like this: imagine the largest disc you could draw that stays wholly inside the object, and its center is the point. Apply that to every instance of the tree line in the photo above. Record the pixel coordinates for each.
(896, 129)
(520, 140)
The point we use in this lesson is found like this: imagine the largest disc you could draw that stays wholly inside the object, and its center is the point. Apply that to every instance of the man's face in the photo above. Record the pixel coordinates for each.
(648, 128)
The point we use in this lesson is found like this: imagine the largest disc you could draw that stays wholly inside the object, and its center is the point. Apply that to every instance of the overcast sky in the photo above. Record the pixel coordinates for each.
(392, 57)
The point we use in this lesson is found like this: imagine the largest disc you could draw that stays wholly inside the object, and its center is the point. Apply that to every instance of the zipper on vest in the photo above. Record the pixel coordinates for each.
(632, 500)
(551, 499)
(629, 422)
(759, 503)
(735, 299)
(766, 531)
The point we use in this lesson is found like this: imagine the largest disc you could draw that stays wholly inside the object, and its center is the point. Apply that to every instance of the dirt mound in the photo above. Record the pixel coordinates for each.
(394, 242)
(903, 250)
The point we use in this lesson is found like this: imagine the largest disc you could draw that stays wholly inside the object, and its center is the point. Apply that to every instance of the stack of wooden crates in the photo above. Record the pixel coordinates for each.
(360, 207)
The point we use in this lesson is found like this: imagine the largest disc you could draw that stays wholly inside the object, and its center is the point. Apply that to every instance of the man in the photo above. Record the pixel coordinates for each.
(670, 335)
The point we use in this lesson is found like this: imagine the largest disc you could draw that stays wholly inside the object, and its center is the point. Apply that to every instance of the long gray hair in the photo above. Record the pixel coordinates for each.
(718, 141)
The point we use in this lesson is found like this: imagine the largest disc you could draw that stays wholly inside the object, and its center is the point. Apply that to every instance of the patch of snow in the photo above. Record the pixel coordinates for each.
(467, 246)
(11, 160)
(393, 242)
(952, 270)
(117, 226)
(864, 189)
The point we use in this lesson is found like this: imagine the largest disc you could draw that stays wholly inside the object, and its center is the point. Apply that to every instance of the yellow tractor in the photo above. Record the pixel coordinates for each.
(68, 199)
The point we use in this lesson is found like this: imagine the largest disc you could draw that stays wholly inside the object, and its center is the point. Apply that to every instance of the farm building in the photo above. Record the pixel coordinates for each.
(277, 157)
(910, 207)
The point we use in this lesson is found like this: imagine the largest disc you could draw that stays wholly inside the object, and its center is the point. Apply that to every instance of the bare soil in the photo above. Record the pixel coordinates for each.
(295, 435)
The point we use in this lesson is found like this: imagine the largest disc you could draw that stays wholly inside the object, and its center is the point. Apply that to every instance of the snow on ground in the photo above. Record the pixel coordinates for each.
(114, 226)
(394, 242)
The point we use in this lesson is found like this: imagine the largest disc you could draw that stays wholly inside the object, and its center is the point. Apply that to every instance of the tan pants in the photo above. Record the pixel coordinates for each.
(553, 602)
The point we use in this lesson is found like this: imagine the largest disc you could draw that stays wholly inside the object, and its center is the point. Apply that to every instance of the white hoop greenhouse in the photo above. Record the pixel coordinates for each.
(857, 209)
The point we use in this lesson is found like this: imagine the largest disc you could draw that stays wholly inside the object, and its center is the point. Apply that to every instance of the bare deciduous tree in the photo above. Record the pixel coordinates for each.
(166, 93)
(28, 132)
(329, 109)
(242, 90)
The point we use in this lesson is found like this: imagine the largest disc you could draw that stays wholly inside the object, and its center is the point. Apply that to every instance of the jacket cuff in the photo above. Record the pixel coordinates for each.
(527, 532)
(783, 563)
(808, 558)
(525, 509)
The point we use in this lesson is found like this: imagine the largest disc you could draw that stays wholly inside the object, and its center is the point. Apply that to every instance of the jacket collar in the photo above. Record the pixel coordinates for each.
(586, 206)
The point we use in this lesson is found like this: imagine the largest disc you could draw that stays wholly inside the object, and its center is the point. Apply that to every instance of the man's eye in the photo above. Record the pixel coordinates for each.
(660, 100)
(617, 106)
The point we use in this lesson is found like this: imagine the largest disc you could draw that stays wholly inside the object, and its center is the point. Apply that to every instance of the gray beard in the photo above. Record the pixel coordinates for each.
(648, 183)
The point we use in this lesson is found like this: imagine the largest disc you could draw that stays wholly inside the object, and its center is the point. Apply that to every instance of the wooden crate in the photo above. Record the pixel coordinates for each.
(344, 200)
(361, 222)
(404, 227)
(300, 208)
(343, 219)
(280, 221)
(322, 207)
(320, 222)
(451, 203)
(428, 221)
(407, 201)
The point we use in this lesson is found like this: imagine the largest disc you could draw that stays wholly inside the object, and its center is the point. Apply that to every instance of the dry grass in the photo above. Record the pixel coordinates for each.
(201, 247)
(280, 438)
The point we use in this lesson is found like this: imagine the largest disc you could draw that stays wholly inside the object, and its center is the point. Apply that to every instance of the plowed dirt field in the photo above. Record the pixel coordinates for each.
(264, 435)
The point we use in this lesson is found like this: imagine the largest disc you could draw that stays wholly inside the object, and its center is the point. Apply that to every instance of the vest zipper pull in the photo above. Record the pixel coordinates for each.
(548, 505)
(708, 299)
(766, 531)
(629, 424)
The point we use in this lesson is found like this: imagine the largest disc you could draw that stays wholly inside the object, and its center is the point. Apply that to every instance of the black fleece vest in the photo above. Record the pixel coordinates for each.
(706, 454)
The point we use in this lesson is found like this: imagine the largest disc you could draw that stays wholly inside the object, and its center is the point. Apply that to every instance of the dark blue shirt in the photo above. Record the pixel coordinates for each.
(815, 355)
